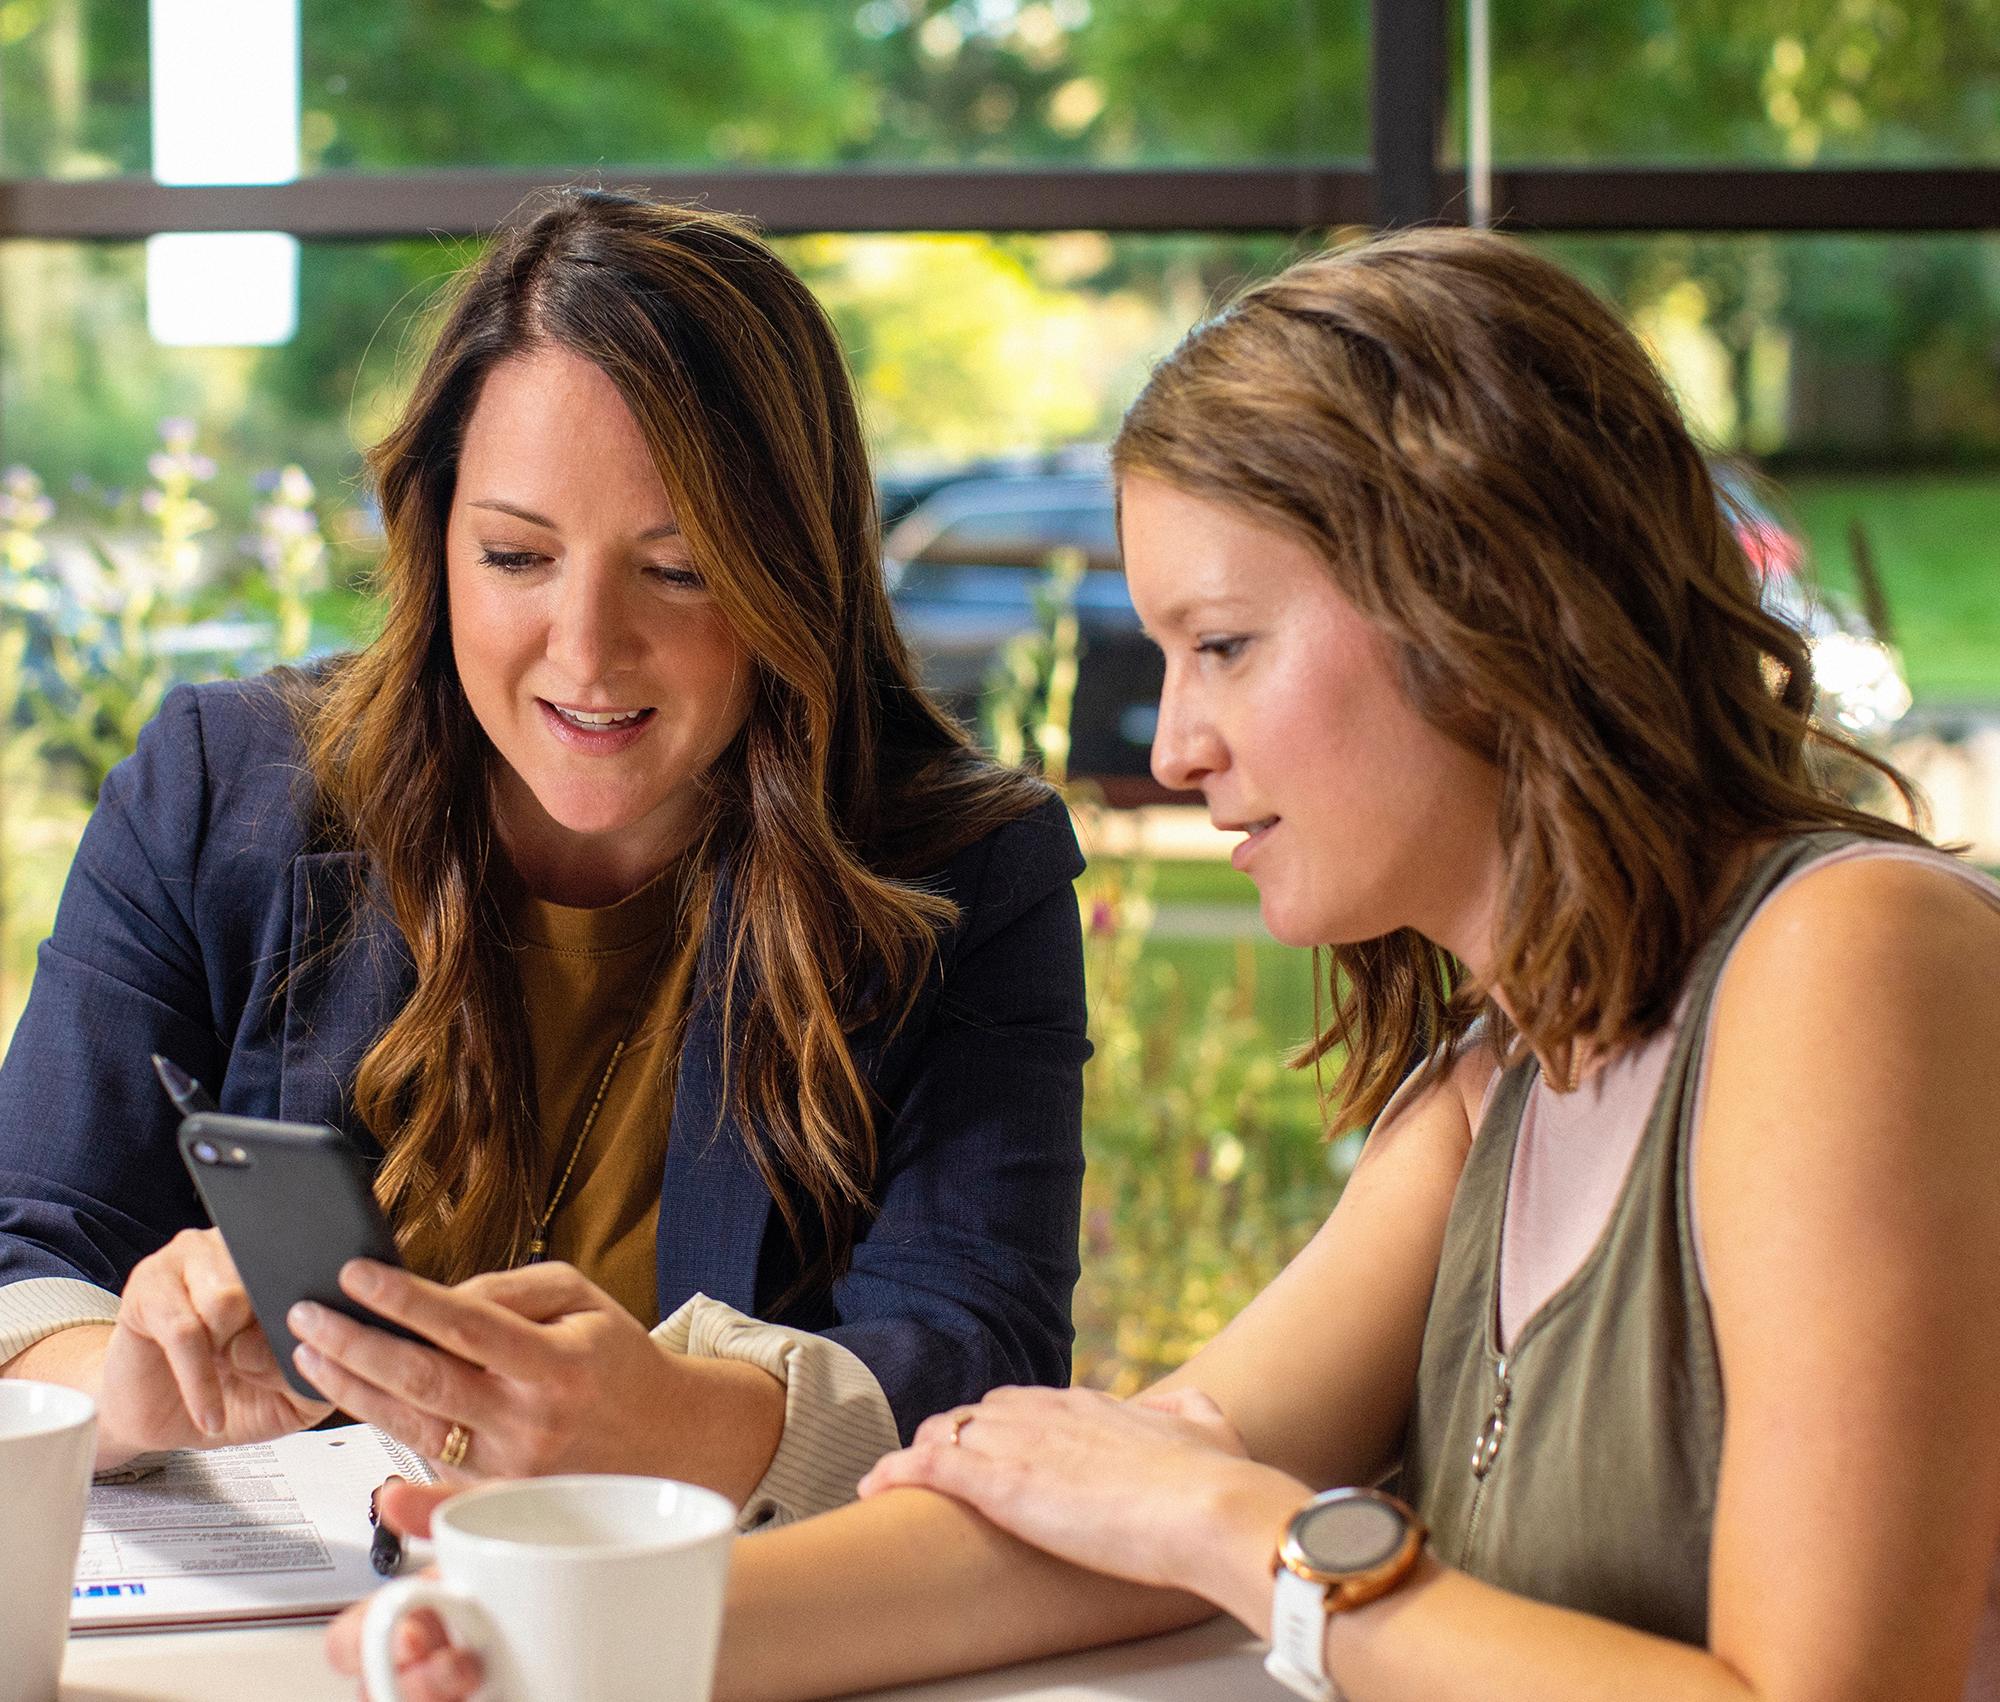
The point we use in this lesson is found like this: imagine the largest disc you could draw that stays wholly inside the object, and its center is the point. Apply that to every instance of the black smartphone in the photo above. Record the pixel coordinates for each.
(293, 1203)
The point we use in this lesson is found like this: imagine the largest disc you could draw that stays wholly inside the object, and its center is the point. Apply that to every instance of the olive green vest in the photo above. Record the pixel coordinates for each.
(1580, 1467)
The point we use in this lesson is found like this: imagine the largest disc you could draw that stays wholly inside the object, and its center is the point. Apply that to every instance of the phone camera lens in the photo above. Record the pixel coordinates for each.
(205, 1151)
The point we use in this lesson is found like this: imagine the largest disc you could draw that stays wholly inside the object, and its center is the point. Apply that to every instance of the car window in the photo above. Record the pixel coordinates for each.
(1025, 537)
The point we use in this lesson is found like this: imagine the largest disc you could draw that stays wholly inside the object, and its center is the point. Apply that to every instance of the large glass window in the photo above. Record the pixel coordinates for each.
(388, 86)
(1747, 81)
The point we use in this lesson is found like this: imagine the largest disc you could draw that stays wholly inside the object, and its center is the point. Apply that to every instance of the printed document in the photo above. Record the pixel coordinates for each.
(271, 1530)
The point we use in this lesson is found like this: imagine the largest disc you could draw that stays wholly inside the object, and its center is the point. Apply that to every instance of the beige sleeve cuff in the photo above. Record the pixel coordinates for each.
(837, 1420)
(39, 1306)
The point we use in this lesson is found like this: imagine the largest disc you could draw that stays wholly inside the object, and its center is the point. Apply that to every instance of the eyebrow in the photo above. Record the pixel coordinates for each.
(1177, 614)
(668, 529)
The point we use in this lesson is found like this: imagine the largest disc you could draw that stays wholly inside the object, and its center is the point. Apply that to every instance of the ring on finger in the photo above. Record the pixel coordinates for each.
(958, 1423)
(457, 1442)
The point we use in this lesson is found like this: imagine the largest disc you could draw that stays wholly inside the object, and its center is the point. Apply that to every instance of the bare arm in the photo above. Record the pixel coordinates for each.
(1314, 1377)
(72, 1357)
(826, 1606)
(1317, 1373)
(1849, 1189)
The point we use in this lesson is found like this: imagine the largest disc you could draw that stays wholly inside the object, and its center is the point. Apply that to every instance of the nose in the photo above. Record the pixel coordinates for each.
(1186, 746)
(592, 631)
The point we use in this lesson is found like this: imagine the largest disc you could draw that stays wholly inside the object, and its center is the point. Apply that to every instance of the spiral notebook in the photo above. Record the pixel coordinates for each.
(268, 1531)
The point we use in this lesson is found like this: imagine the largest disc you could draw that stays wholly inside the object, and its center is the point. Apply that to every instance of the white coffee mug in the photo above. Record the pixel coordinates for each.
(48, 1436)
(572, 1589)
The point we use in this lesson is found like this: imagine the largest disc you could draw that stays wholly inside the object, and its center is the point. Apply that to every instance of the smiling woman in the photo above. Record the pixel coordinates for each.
(684, 968)
(581, 628)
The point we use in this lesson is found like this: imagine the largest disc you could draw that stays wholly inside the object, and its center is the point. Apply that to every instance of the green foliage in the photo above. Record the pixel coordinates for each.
(1033, 691)
(24, 510)
(1203, 1178)
(1791, 80)
(96, 626)
(1935, 544)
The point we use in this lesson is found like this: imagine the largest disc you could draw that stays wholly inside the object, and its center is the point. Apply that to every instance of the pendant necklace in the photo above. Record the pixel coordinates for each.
(538, 1242)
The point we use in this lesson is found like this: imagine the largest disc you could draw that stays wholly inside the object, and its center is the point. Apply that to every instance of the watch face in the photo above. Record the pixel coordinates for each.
(1349, 1535)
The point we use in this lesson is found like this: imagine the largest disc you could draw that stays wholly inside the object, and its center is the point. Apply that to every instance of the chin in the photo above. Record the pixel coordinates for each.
(590, 817)
(1297, 920)
(1287, 928)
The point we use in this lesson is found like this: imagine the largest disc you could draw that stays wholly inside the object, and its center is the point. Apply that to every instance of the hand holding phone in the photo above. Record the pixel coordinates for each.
(186, 1365)
(293, 1204)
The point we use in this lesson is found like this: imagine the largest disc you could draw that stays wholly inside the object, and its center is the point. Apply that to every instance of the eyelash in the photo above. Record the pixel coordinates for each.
(520, 561)
(1223, 649)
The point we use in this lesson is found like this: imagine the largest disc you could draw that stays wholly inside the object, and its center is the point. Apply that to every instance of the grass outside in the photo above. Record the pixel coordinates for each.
(1937, 545)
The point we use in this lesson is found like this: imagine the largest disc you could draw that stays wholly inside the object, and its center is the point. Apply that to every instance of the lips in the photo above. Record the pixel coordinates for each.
(597, 720)
(600, 732)
(1255, 831)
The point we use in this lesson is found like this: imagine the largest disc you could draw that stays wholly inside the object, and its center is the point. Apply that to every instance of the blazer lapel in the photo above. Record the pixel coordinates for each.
(714, 1206)
(350, 973)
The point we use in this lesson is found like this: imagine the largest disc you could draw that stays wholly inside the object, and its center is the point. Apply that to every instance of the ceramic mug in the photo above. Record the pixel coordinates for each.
(48, 1437)
(572, 1589)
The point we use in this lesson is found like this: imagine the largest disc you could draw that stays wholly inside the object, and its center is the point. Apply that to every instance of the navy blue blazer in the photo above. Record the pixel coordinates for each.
(199, 923)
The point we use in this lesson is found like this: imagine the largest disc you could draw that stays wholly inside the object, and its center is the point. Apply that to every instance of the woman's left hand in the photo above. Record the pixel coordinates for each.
(1134, 1488)
(544, 1371)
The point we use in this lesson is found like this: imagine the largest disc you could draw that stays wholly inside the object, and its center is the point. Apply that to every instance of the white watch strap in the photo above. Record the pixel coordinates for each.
(1298, 1638)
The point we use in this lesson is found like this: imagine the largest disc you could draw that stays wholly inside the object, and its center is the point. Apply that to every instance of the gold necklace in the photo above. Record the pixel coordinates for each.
(538, 1242)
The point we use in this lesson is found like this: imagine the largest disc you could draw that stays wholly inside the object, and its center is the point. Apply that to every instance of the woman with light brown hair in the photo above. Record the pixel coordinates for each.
(715, 1010)
(1663, 1295)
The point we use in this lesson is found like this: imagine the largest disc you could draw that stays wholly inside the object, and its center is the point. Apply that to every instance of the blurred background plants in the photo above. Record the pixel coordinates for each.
(103, 609)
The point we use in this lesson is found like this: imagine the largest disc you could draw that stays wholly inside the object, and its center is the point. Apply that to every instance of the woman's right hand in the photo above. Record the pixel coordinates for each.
(186, 1365)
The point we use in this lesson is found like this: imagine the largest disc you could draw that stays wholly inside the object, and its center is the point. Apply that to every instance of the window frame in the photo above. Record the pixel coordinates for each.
(1401, 183)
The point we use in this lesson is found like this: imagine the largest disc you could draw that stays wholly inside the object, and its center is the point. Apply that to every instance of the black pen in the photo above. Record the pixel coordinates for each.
(385, 1548)
(189, 1096)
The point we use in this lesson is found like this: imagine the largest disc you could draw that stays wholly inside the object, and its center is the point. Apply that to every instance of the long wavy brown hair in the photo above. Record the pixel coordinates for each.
(1495, 474)
(844, 784)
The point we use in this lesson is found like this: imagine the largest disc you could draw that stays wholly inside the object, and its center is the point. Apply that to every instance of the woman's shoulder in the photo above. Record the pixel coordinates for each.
(1870, 908)
(1858, 1006)
(225, 750)
(994, 873)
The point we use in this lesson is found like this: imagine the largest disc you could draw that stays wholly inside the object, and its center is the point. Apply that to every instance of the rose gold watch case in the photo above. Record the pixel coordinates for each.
(1348, 1590)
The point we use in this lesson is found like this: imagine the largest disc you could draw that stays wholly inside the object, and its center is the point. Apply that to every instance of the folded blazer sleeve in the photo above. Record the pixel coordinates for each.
(90, 1181)
(963, 1280)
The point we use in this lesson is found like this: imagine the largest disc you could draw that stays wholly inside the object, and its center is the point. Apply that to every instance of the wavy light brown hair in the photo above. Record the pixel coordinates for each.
(844, 783)
(1496, 476)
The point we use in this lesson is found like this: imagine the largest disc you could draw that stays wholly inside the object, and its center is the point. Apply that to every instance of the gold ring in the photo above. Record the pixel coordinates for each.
(456, 1441)
(958, 1423)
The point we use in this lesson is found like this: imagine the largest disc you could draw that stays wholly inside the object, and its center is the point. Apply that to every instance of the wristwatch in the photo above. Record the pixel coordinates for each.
(1342, 1549)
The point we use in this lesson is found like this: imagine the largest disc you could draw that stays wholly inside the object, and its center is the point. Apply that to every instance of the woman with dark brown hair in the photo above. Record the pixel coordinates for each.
(685, 965)
(1663, 1294)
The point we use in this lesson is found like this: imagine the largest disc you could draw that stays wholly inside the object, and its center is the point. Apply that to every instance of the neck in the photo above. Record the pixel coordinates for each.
(1567, 1066)
(584, 870)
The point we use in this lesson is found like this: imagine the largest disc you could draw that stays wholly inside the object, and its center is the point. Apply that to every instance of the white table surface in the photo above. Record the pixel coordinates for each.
(1216, 1662)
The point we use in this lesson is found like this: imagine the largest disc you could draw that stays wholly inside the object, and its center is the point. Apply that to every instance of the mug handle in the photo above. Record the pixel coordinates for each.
(462, 1616)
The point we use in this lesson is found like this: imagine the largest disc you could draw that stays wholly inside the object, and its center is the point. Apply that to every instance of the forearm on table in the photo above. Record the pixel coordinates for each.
(911, 1585)
(74, 1357)
(1447, 1637)
(726, 1438)
(1443, 1636)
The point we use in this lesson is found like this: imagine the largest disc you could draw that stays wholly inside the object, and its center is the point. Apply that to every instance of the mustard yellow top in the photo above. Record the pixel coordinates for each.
(583, 973)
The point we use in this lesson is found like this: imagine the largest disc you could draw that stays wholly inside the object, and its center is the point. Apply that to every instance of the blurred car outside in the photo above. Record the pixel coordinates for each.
(966, 556)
